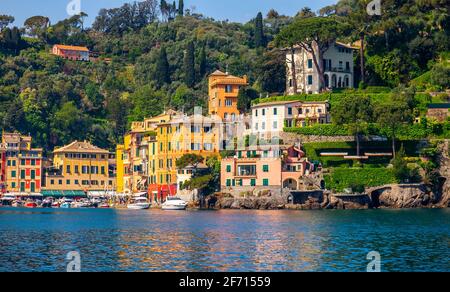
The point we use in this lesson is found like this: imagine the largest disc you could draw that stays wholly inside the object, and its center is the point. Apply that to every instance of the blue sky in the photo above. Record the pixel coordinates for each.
(233, 10)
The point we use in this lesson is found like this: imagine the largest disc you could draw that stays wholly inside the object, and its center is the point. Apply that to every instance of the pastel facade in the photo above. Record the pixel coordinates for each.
(338, 64)
(2, 168)
(264, 168)
(23, 171)
(183, 135)
(312, 113)
(133, 157)
(75, 53)
(223, 95)
(79, 167)
(269, 119)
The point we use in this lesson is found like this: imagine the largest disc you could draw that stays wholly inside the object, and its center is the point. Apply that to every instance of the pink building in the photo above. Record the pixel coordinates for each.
(265, 168)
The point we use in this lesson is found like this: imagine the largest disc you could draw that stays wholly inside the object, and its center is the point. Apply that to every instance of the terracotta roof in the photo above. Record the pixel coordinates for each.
(72, 48)
(84, 147)
(218, 73)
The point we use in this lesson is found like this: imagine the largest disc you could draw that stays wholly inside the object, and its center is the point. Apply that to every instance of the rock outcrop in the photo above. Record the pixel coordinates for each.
(403, 196)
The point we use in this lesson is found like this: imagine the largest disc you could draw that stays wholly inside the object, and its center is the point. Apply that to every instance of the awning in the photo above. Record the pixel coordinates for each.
(23, 194)
(62, 194)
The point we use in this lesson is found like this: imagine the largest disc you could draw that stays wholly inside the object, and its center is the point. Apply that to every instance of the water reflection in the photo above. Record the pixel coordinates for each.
(110, 240)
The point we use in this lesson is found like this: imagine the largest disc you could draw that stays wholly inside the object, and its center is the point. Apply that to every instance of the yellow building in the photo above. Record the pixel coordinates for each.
(184, 135)
(120, 168)
(223, 94)
(78, 168)
(23, 169)
(133, 156)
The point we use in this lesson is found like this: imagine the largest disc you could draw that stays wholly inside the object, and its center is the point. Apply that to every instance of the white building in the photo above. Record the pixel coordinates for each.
(269, 119)
(338, 67)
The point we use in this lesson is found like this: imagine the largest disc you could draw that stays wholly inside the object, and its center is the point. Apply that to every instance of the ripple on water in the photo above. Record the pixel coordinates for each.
(111, 240)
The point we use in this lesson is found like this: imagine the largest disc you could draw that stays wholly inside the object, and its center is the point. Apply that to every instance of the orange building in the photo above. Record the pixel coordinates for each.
(71, 52)
(223, 94)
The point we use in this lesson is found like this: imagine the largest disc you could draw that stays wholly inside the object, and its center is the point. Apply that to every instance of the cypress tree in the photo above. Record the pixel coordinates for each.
(202, 62)
(189, 65)
(259, 31)
(162, 68)
(180, 7)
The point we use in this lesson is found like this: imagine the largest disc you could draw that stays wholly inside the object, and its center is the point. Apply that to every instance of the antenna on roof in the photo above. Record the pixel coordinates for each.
(227, 70)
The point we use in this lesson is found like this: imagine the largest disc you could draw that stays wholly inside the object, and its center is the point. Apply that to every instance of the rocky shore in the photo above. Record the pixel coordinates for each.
(398, 196)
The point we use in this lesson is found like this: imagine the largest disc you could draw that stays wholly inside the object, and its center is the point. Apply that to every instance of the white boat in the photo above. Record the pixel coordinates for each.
(139, 203)
(67, 204)
(174, 203)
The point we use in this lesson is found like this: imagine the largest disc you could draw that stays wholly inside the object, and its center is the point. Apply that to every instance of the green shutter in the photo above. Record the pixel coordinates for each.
(265, 168)
(265, 182)
(253, 182)
(228, 168)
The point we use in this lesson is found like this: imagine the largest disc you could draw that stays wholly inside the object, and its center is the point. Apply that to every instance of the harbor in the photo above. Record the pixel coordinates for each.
(223, 241)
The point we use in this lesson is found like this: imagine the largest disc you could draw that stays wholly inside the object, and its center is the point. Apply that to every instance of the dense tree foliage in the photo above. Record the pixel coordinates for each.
(154, 55)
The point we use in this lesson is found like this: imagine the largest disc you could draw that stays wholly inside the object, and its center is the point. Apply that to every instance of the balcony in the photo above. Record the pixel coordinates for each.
(338, 70)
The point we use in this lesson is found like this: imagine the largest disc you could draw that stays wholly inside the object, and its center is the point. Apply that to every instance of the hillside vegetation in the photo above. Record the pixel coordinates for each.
(160, 57)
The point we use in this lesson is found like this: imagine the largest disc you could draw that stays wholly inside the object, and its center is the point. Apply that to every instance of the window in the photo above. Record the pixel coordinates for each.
(347, 66)
(247, 170)
(266, 168)
(169, 146)
(275, 125)
(33, 174)
(22, 186)
(228, 102)
(291, 83)
(76, 169)
(208, 147)
(195, 129)
(103, 169)
(228, 168)
(263, 126)
(256, 126)
(13, 173)
(33, 162)
(68, 182)
(13, 185)
(266, 182)
(310, 80)
(228, 182)
(228, 88)
(263, 112)
(275, 111)
(60, 182)
(310, 63)
(68, 169)
(289, 111)
(195, 146)
(22, 162)
(256, 113)
(253, 182)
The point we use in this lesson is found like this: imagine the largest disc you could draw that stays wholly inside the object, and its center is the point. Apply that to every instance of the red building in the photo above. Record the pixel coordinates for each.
(71, 52)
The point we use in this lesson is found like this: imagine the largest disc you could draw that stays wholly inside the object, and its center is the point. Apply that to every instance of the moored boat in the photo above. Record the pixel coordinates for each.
(66, 204)
(30, 204)
(139, 203)
(174, 204)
